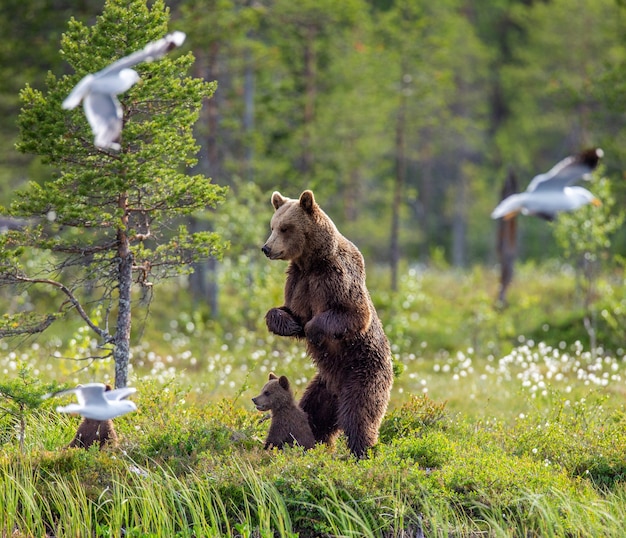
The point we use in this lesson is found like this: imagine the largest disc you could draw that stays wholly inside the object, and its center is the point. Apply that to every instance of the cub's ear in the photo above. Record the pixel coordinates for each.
(273, 376)
(307, 201)
(284, 382)
(277, 200)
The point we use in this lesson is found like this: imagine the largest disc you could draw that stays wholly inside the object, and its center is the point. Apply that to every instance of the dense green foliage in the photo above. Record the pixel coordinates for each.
(344, 97)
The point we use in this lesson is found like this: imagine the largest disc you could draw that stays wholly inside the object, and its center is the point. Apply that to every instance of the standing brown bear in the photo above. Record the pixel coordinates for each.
(328, 304)
(289, 422)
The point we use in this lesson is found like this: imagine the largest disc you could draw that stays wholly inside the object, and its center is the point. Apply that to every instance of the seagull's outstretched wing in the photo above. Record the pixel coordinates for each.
(87, 393)
(567, 171)
(152, 51)
(75, 408)
(119, 394)
(78, 93)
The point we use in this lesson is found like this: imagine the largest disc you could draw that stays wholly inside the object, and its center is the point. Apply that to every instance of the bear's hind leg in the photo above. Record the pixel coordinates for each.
(321, 406)
(360, 417)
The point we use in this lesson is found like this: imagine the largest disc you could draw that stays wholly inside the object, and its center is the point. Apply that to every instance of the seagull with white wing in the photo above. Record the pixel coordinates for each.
(98, 91)
(552, 192)
(97, 403)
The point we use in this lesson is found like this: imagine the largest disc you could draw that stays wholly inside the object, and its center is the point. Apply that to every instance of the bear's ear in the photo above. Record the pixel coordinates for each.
(284, 382)
(278, 199)
(273, 376)
(307, 201)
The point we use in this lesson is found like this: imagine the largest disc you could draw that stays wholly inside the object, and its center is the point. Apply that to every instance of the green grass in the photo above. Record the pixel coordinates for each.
(502, 422)
(442, 472)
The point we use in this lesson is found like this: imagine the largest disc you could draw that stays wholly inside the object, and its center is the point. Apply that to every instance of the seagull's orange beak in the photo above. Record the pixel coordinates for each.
(596, 202)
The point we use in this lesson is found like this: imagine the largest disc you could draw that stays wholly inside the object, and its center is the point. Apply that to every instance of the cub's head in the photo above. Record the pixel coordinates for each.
(299, 227)
(275, 394)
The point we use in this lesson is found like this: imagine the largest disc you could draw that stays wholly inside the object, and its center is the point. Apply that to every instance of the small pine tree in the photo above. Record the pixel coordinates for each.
(20, 396)
(110, 220)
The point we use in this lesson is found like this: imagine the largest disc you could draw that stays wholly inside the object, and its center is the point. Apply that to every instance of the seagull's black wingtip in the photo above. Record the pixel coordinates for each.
(591, 157)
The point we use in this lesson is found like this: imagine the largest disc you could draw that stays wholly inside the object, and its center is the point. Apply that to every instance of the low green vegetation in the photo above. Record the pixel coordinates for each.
(503, 421)
(189, 470)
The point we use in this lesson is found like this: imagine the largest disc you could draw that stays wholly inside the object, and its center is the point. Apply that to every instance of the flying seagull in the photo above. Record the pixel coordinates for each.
(98, 91)
(95, 402)
(549, 193)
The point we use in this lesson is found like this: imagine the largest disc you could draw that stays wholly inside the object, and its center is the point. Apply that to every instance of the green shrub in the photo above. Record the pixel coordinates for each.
(418, 414)
(430, 450)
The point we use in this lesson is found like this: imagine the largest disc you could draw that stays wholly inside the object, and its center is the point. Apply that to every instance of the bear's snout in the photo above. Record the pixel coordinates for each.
(261, 406)
(266, 250)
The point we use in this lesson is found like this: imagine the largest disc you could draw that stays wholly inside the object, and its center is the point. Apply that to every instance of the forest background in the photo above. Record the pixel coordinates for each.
(387, 110)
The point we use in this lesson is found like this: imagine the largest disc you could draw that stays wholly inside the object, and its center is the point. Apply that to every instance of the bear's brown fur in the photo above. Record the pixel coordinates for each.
(328, 304)
(290, 424)
(92, 431)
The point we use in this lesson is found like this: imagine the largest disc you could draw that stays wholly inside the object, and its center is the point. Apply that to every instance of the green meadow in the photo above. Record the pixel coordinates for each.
(503, 420)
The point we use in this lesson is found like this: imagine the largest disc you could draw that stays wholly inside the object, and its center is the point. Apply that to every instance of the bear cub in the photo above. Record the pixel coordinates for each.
(290, 424)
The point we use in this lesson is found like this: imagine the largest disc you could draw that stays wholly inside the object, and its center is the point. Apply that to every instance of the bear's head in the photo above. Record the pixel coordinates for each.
(299, 229)
(276, 394)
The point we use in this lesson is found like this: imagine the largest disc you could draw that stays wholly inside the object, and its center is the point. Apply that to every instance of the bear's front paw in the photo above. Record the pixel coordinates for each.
(280, 322)
(314, 334)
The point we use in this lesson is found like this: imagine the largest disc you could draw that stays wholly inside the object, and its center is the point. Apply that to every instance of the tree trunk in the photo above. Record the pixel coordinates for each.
(121, 353)
(212, 113)
(398, 189)
(248, 113)
(459, 221)
(507, 240)
(209, 163)
(310, 81)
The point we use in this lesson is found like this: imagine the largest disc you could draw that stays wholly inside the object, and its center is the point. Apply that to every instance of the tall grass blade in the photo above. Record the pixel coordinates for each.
(265, 507)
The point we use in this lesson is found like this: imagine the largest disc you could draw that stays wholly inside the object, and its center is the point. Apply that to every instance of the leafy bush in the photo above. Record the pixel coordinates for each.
(418, 414)
(430, 450)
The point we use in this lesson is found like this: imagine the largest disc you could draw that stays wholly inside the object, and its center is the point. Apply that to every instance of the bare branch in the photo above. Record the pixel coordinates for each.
(72, 299)
(84, 251)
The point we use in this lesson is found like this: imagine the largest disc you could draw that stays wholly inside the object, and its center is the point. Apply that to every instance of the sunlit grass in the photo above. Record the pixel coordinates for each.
(500, 424)
(440, 473)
